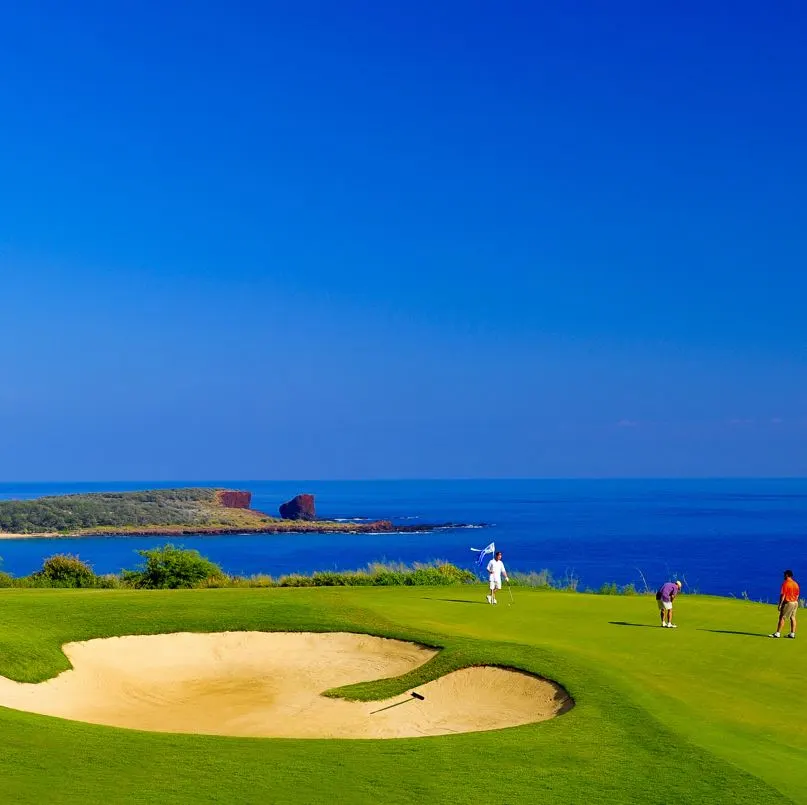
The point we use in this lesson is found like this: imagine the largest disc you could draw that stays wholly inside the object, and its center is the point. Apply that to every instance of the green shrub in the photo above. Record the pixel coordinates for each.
(330, 578)
(379, 575)
(295, 580)
(171, 567)
(6, 579)
(439, 573)
(542, 578)
(455, 575)
(68, 513)
(64, 570)
(388, 578)
(257, 581)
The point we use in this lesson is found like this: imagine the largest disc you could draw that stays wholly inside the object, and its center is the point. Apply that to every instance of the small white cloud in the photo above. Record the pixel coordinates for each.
(627, 423)
(777, 420)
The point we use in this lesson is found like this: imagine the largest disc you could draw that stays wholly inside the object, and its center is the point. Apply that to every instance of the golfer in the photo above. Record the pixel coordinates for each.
(665, 597)
(496, 571)
(788, 604)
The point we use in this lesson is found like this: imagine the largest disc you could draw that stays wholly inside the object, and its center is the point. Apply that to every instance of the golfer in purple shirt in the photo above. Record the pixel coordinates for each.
(665, 597)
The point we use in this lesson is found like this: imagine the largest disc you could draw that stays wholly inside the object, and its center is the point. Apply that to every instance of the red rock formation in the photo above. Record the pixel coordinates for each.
(299, 508)
(231, 499)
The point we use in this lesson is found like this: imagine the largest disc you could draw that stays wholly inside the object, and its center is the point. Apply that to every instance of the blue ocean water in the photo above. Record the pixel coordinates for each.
(725, 537)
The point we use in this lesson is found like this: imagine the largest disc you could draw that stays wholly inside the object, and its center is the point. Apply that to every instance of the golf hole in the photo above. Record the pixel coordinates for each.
(270, 684)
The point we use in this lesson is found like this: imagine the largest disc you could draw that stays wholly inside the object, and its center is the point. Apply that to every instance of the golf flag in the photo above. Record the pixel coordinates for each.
(483, 552)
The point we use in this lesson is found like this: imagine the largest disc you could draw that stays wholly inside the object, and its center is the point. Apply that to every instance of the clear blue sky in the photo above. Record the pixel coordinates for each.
(404, 239)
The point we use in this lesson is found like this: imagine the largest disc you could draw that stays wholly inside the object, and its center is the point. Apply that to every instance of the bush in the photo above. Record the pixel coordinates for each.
(542, 578)
(455, 575)
(171, 567)
(330, 578)
(295, 580)
(439, 575)
(257, 581)
(64, 570)
(379, 575)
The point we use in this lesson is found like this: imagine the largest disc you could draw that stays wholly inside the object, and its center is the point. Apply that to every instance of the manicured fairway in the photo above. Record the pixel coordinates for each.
(711, 712)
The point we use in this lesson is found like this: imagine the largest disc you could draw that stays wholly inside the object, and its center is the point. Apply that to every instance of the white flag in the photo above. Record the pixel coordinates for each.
(483, 552)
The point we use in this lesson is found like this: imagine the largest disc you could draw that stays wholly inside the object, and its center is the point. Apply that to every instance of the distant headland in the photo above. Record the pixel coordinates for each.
(169, 512)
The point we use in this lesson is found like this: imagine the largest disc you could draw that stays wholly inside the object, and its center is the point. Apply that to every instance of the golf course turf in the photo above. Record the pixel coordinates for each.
(710, 712)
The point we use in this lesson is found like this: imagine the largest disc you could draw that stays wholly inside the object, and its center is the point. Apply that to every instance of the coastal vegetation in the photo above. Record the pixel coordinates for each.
(159, 511)
(172, 567)
(68, 513)
(709, 713)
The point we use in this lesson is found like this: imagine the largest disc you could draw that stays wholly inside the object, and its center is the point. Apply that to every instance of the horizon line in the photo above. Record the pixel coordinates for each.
(405, 479)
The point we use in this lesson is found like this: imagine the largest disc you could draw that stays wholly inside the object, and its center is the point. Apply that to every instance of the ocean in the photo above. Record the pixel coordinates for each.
(722, 537)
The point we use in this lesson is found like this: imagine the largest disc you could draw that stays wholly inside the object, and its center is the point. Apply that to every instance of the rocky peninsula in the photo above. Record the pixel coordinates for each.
(170, 512)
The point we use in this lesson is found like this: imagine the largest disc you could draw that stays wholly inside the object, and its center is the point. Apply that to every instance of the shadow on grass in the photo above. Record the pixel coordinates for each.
(454, 600)
(729, 631)
(643, 625)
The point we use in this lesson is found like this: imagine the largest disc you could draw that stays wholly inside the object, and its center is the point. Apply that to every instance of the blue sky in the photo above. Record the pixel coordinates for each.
(340, 240)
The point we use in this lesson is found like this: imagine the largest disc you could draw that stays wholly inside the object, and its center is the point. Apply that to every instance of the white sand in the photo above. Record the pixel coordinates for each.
(270, 684)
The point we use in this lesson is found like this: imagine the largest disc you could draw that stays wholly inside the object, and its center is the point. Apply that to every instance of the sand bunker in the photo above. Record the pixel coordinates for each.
(270, 684)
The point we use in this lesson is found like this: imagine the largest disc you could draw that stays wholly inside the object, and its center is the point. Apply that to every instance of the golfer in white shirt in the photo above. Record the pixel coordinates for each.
(496, 570)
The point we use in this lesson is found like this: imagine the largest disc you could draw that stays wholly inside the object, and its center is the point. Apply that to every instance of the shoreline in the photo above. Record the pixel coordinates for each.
(293, 527)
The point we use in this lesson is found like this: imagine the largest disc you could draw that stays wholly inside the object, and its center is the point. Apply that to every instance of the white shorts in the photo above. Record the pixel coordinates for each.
(665, 605)
(495, 584)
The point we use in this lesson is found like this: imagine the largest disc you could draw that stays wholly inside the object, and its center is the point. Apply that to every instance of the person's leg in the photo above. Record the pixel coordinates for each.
(661, 612)
(778, 632)
(670, 619)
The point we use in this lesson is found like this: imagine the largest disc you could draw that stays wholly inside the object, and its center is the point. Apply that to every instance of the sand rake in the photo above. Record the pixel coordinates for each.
(414, 696)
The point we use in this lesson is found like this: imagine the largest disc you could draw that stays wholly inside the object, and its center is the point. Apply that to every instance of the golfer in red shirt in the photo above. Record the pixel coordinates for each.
(788, 604)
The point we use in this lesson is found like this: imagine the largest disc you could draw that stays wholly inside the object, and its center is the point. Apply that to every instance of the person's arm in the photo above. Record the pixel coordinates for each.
(781, 597)
(507, 578)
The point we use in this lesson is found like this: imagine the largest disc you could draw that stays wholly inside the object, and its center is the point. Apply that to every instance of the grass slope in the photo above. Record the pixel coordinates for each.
(703, 714)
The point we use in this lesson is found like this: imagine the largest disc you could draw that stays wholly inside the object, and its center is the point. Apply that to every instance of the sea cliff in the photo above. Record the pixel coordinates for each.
(166, 512)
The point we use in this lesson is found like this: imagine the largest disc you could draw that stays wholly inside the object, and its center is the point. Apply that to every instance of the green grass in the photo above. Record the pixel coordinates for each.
(697, 715)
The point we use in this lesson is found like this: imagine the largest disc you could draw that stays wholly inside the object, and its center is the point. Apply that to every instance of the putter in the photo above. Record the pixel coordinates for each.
(510, 590)
(398, 704)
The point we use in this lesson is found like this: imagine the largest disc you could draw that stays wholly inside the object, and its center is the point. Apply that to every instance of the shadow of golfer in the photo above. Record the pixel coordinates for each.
(729, 631)
(454, 600)
(625, 623)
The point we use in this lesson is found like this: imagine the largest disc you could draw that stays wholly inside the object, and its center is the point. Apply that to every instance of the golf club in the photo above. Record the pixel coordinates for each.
(510, 590)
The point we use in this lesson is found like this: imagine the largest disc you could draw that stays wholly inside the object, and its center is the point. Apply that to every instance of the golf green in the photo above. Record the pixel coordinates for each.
(710, 712)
